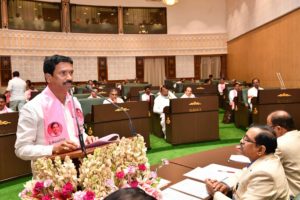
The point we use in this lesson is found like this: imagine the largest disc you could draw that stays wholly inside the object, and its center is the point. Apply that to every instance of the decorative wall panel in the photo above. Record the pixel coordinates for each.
(31, 67)
(30, 43)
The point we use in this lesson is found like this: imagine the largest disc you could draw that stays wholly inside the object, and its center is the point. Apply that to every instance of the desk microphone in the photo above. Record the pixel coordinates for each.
(80, 135)
(130, 124)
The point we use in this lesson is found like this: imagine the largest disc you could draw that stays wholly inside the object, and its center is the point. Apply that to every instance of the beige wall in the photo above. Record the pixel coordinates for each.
(272, 48)
(246, 15)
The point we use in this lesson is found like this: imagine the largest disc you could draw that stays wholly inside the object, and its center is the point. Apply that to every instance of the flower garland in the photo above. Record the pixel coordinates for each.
(117, 165)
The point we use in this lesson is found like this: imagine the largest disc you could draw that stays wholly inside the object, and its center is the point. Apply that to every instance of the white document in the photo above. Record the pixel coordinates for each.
(212, 171)
(170, 194)
(163, 183)
(239, 158)
(192, 188)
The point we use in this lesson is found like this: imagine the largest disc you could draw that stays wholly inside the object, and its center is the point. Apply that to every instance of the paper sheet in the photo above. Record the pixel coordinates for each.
(191, 187)
(212, 171)
(170, 194)
(163, 183)
(239, 158)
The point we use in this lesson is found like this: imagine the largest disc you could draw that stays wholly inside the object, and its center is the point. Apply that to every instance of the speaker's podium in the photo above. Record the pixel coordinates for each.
(107, 119)
(10, 165)
(270, 100)
(191, 120)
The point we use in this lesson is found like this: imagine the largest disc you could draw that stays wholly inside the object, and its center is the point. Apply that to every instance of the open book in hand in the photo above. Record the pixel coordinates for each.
(104, 140)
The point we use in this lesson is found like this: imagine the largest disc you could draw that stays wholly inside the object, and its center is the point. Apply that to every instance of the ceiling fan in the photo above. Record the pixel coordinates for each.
(167, 2)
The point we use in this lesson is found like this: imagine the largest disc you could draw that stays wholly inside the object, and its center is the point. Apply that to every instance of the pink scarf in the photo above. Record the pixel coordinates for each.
(55, 125)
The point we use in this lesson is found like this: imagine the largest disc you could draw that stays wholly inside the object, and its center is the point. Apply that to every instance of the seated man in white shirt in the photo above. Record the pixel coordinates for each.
(93, 95)
(188, 93)
(113, 97)
(221, 86)
(253, 91)
(147, 94)
(161, 101)
(3, 108)
(232, 94)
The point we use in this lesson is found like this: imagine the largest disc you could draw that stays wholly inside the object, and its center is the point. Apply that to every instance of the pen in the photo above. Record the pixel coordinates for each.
(232, 172)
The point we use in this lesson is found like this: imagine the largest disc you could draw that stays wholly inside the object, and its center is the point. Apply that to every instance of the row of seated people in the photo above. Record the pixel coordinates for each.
(230, 94)
(157, 102)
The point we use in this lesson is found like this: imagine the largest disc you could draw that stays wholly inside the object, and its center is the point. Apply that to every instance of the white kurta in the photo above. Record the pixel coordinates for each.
(17, 88)
(108, 101)
(159, 103)
(186, 96)
(232, 94)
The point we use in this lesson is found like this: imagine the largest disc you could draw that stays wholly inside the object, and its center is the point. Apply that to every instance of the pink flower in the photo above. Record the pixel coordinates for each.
(38, 187)
(47, 183)
(131, 170)
(153, 174)
(68, 187)
(134, 184)
(47, 197)
(57, 194)
(120, 175)
(89, 195)
(142, 167)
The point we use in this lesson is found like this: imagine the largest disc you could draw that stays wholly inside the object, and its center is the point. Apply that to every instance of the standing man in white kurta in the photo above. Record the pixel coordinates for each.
(16, 88)
(35, 136)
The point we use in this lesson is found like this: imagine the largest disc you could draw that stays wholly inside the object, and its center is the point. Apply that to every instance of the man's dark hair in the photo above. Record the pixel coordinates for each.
(129, 194)
(285, 120)
(163, 86)
(255, 79)
(16, 74)
(53, 123)
(146, 87)
(2, 96)
(267, 138)
(52, 61)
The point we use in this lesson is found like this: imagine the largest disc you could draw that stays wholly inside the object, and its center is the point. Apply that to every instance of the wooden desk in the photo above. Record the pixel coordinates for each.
(218, 156)
(270, 100)
(107, 119)
(10, 165)
(178, 167)
(192, 120)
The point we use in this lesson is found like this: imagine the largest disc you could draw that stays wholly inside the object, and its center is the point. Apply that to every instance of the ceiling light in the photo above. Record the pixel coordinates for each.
(170, 2)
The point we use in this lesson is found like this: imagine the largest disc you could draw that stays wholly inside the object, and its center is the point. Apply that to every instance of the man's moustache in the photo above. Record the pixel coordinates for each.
(69, 81)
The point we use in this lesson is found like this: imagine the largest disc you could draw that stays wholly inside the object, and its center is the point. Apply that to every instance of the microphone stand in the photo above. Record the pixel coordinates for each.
(131, 127)
(80, 135)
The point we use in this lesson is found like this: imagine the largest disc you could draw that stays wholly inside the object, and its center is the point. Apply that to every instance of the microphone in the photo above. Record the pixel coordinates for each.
(130, 124)
(80, 135)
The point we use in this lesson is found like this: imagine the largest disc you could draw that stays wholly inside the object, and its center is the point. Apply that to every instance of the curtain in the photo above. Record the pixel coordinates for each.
(154, 71)
(210, 65)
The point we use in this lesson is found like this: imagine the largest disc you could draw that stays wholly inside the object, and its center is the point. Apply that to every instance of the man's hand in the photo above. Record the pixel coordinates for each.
(90, 139)
(213, 186)
(64, 146)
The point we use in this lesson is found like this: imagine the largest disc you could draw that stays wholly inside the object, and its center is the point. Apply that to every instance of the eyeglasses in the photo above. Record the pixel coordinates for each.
(113, 94)
(247, 139)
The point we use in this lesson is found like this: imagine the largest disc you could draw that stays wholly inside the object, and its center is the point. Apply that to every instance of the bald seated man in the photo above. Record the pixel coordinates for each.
(264, 179)
(288, 150)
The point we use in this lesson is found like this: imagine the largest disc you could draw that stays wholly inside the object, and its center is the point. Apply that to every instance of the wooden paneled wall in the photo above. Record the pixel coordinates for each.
(274, 47)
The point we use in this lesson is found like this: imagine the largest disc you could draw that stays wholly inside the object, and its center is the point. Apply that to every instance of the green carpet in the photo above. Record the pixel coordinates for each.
(229, 135)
